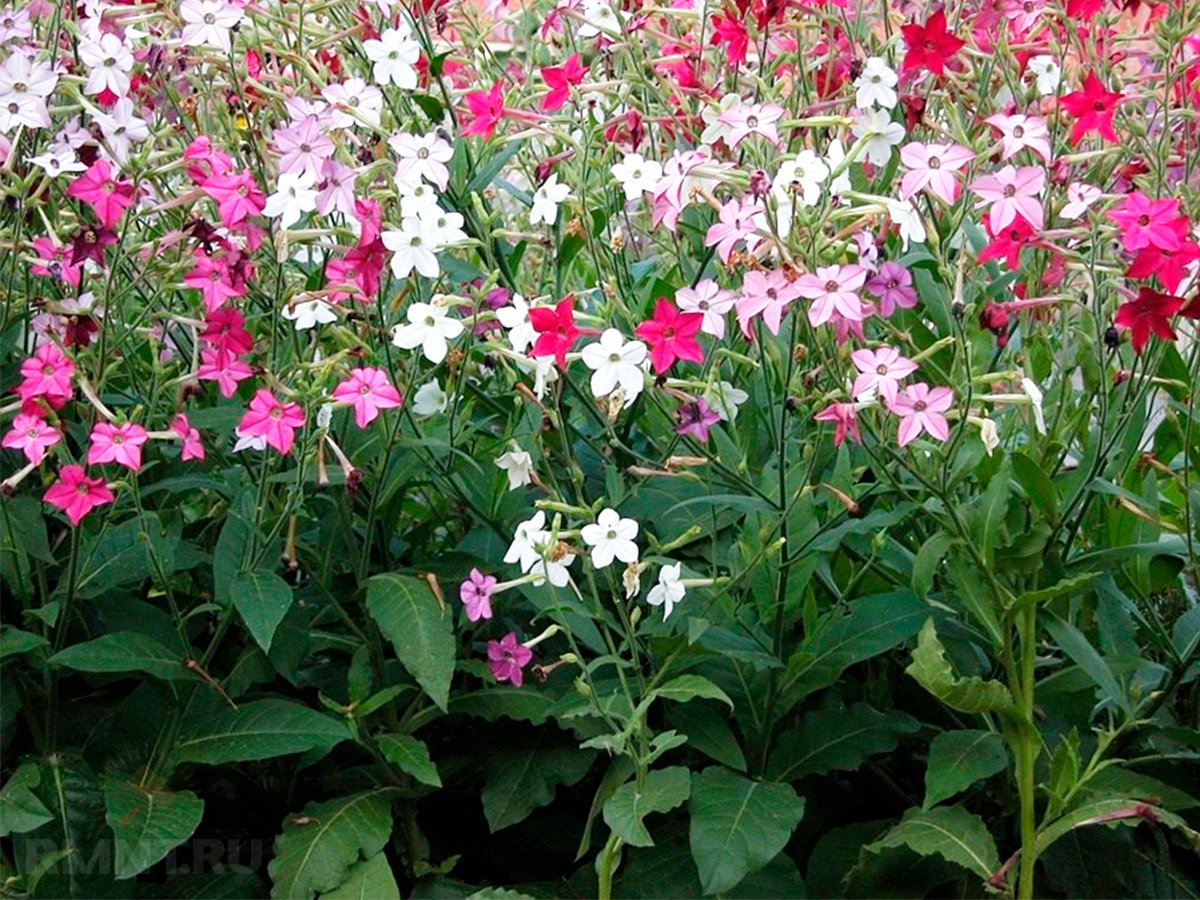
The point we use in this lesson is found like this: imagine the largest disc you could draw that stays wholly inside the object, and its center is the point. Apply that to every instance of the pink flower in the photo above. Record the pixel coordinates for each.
(506, 659)
(1080, 198)
(893, 285)
(710, 301)
(932, 166)
(737, 221)
(47, 374)
(880, 372)
(303, 148)
(200, 153)
(192, 448)
(107, 197)
(271, 420)
(751, 118)
(920, 408)
(121, 444)
(76, 494)
(476, 595)
(237, 196)
(212, 277)
(487, 110)
(32, 435)
(766, 293)
(671, 335)
(368, 391)
(845, 418)
(1018, 132)
(1145, 222)
(224, 368)
(1012, 192)
(832, 289)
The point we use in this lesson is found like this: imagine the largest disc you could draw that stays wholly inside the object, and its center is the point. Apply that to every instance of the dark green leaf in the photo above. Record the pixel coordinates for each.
(662, 790)
(829, 740)
(932, 671)
(419, 628)
(123, 651)
(258, 730)
(147, 824)
(958, 759)
(371, 879)
(20, 809)
(949, 831)
(410, 755)
(262, 599)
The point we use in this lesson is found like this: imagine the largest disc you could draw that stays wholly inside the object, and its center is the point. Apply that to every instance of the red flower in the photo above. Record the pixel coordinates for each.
(556, 330)
(1170, 267)
(729, 30)
(559, 79)
(1093, 109)
(1150, 312)
(1009, 243)
(671, 335)
(930, 46)
(487, 108)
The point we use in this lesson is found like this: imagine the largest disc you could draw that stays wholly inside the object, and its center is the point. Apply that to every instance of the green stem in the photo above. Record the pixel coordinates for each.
(608, 857)
(1027, 751)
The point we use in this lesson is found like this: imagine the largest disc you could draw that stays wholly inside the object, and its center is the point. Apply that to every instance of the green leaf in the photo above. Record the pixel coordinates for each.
(662, 791)
(22, 810)
(958, 759)
(259, 730)
(1037, 486)
(949, 831)
(969, 695)
(262, 599)
(1117, 810)
(738, 825)
(504, 700)
(929, 557)
(371, 879)
(147, 824)
(1084, 655)
(419, 628)
(123, 651)
(14, 641)
(986, 515)
(708, 732)
(519, 781)
(410, 755)
(132, 551)
(316, 849)
(690, 687)
(829, 740)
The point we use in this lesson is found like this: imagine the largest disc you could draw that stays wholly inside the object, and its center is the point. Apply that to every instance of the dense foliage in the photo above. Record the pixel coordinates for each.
(588, 449)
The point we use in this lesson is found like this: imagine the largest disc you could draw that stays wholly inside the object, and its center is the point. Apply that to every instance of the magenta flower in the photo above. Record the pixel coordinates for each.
(893, 285)
(76, 494)
(476, 595)
(1020, 132)
(1012, 192)
(694, 418)
(751, 118)
(32, 435)
(932, 166)
(845, 419)
(1148, 223)
(486, 111)
(880, 372)
(237, 196)
(223, 367)
(192, 447)
(671, 335)
(107, 197)
(271, 420)
(212, 277)
(921, 408)
(120, 444)
(767, 294)
(368, 391)
(507, 658)
(46, 374)
(834, 289)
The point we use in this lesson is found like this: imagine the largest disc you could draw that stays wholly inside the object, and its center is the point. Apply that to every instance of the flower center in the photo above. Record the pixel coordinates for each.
(1018, 132)
(893, 284)
(109, 63)
(752, 121)
(364, 390)
(423, 153)
(935, 162)
(82, 490)
(831, 286)
(919, 406)
(32, 434)
(1099, 106)
(1143, 220)
(118, 439)
(881, 369)
(1010, 190)
(276, 413)
(210, 19)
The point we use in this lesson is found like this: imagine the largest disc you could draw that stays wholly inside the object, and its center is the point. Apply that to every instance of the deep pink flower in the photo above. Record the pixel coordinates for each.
(192, 447)
(274, 421)
(893, 285)
(671, 335)
(1169, 267)
(1149, 223)
(930, 46)
(560, 79)
(932, 166)
(237, 196)
(47, 374)
(507, 658)
(487, 110)
(212, 277)
(55, 262)
(1150, 313)
(368, 391)
(225, 329)
(1093, 108)
(32, 435)
(1012, 192)
(121, 444)
(76, 494)
(845, 419)
(476, 595)
(556, 330)
(225, 368)
(921, 408)
(201, 154)
(107, 197)
(880, 372)
(834, 289)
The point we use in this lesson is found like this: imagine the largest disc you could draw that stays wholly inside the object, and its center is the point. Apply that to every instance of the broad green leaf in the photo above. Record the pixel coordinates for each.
(262, 599)
(134, 550)
(949, 831)
(829, 740)
(419, 628)
(233, 881)
(1117, 810)
(14, 641)
(317, 848)
(986, 515)
(20, 809)
(519, 781)
(258, 730)
(410, 755)
(371, 879)
(147, 824)
(124, 651)
(504, 700)
(931, 555)
(958, 759)
(738, 825)
(969, 695)
(709, 732)
(691, 687)
(661, 791)
(1037, 485)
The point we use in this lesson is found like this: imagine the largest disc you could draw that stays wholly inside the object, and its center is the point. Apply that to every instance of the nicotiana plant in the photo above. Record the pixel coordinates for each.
(593, 448)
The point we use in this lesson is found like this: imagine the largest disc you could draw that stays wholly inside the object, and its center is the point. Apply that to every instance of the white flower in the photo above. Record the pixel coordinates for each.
(989, 435)
(636, 174)
(905, 217)
(24, 87)
(715, 129)
(553, 569)
(430, 399)
(1080, 198)
(208, 22)
(544, 372)
(611, 537)
(422, 156)
(413, 246)
(121, 128)
(295, 195)
(446, 227)
(325, 415)
(429, 327)
(546, 200)
(527, 538)
(1047, 74)
(353, 102)
(248, 441)
(724, 399)
(394, 55)
(800, 179)
(108, 61)
(515, 318)
(518, 466)
(881, 132)
(1034, 393)
(834, 158)
(668, 591)
(598, 16)
(616, 362)
(308, 314)
(417, 199)
(876, 86)
(58, 159)
(708, 299)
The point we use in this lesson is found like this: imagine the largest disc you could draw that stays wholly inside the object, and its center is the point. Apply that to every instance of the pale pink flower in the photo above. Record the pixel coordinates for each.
(1012, 192)
(834, 289)
(767, 294)
(476, 595)
(932, 166)
(303, 147)
(192, 447)
(752, 118)
(1080, 198)
(737, 220)
(1018, 132)
(708, 299)
(921, 408)
(120, 444)
(880, 372)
